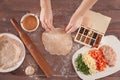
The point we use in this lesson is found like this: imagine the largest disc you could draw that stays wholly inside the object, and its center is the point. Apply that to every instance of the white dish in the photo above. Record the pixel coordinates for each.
(111, 41)
(23, 53)
(28, 14)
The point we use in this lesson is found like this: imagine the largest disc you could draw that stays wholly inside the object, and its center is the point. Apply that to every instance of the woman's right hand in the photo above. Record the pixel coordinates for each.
(46, 19)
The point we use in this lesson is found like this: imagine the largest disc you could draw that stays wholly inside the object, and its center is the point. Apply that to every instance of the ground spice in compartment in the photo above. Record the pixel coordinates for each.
(87, 40)
(83, 38)
(30, 22)
(94, 35)
(92, 42)
(90, 34)
(86, 32)
(81, 30)
(78, 37)
(98, 40)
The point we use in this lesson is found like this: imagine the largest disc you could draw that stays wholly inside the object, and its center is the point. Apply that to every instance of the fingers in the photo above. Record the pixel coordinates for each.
(73, 25)
(50, 25)
(47, 26)
(68, 27)
(72, 29)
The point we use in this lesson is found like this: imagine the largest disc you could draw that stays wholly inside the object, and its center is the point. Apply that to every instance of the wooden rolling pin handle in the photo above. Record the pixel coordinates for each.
(33, 50)
(16, 26)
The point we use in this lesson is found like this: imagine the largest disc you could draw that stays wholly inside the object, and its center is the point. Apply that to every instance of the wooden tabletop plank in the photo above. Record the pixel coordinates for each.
(62, 11)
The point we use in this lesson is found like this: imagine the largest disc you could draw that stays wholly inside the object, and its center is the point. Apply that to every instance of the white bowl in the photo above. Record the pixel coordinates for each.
(28, 14)
(23, 53)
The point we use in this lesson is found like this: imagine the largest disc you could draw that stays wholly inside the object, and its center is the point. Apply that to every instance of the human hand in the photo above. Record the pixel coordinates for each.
(46, 19)
(76, 19)
(74, 23)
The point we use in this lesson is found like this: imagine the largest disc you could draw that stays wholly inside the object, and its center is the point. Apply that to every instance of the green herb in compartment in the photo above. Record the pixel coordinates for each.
(82, 38)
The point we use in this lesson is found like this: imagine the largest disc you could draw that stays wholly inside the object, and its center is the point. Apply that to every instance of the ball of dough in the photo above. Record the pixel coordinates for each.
(29, 70)
(57, 42)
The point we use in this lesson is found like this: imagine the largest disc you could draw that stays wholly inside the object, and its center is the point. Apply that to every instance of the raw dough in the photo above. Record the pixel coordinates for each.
(29, 70)
(57, 42)
(10, 52)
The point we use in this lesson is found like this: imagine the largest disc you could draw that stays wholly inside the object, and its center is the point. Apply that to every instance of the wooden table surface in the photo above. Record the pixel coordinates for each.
(62, 11)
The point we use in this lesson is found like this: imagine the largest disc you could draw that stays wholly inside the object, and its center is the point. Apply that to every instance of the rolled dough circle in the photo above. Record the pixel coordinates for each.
(57, 42)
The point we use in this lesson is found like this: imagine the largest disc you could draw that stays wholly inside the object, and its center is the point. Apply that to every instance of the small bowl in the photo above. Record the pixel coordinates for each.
(19, 63)
(26, 15)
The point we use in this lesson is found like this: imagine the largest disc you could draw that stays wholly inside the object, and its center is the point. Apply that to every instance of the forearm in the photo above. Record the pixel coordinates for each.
(84, 7)
(45, 4)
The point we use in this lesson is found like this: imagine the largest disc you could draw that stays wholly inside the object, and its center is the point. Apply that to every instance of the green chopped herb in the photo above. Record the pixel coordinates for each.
(81, 66)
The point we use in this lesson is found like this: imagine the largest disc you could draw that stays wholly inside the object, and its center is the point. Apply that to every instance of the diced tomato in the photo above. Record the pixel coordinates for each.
(101, 63)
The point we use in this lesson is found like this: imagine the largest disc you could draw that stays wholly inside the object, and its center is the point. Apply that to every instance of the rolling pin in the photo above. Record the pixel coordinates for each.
(38, 57)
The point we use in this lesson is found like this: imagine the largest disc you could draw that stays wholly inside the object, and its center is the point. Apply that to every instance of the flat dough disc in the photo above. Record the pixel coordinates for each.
(10, 52)
(57, 42)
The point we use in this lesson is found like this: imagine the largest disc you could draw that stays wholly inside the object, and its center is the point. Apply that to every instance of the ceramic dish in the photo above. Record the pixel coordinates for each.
(23, 53)
(26, 15)
(111, 41)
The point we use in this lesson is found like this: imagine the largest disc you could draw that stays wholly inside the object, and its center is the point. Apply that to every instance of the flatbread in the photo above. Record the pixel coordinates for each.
(10, 51)
(57, 42)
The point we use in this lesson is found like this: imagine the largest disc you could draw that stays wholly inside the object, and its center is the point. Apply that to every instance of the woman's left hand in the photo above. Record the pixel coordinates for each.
(74, 23)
